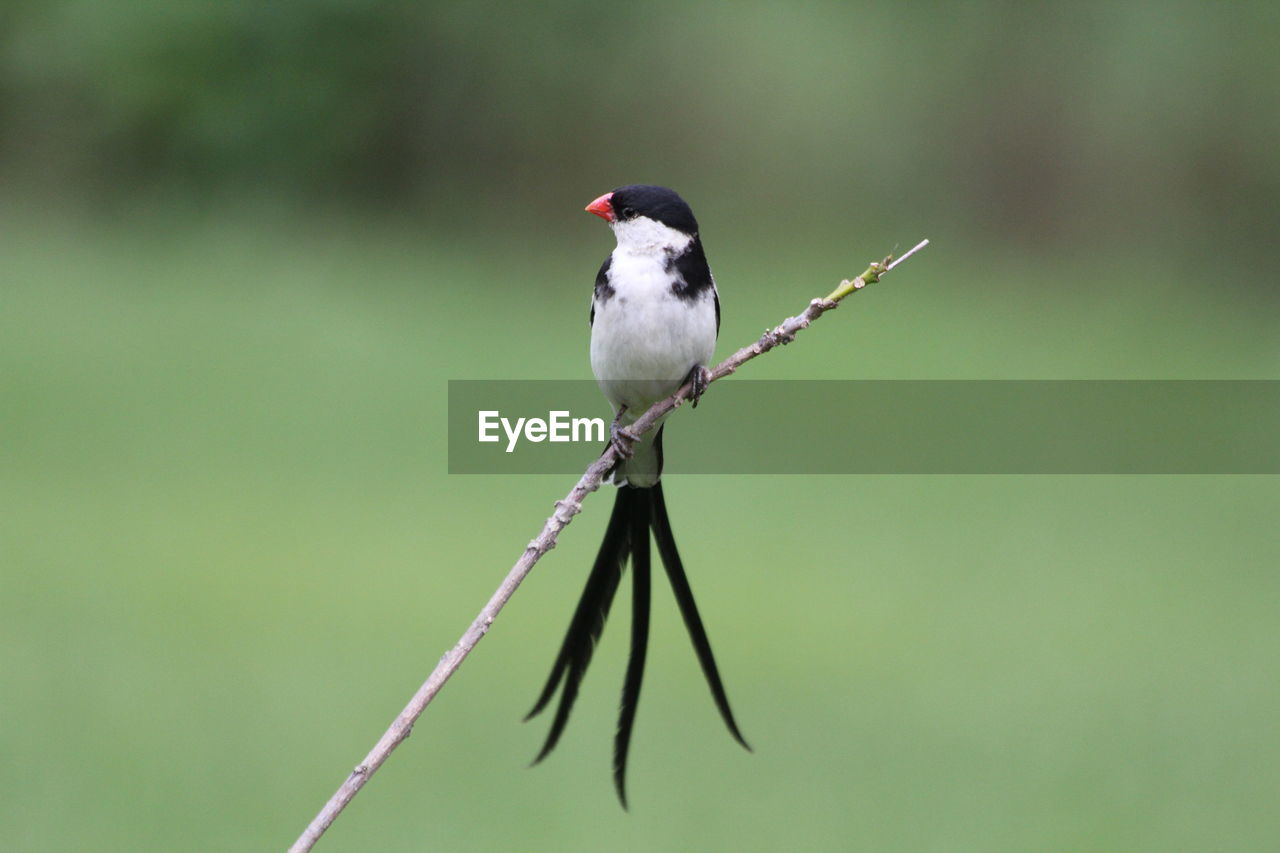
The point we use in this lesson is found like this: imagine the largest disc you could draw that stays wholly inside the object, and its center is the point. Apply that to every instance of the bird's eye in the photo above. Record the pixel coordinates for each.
(628, 212)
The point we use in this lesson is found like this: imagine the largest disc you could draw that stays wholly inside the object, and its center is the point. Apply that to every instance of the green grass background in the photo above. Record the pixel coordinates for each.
(231, 553)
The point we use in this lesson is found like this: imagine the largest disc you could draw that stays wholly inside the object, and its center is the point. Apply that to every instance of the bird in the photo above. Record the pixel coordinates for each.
(655, 317)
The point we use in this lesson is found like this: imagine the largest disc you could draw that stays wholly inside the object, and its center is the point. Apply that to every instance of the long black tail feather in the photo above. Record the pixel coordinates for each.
(689, 610)
(636, 511)
(588, 620)
(639, 643)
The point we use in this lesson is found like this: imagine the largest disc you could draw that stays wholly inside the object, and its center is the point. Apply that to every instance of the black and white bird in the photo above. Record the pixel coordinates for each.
(655, 315)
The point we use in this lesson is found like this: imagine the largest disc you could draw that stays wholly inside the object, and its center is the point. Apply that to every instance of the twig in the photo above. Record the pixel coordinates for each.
(565, 510)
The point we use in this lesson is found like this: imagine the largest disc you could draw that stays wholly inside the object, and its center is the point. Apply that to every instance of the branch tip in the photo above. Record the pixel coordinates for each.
(917, 247)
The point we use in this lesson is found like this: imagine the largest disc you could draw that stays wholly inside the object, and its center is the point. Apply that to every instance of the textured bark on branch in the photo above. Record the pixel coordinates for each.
(565, 510)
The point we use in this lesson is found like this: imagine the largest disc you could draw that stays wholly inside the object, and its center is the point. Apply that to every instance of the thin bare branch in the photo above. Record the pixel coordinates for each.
(565, 510)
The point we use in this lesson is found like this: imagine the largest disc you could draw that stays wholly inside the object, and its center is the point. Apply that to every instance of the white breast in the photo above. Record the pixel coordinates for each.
(645, 339)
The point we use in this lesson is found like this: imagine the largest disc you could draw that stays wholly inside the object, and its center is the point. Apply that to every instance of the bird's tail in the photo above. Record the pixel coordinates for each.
(636, 511)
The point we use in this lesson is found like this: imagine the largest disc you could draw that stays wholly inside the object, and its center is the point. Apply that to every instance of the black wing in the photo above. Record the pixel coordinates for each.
(603, 289)
(694, 278)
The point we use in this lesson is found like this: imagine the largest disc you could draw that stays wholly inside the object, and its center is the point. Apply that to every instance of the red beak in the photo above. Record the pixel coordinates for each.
(602, 207)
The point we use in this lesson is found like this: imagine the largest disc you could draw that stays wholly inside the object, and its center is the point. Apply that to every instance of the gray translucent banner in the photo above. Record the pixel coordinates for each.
(887, 427)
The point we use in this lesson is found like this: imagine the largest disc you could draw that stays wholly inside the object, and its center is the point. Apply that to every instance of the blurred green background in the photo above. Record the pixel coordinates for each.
(245, 245)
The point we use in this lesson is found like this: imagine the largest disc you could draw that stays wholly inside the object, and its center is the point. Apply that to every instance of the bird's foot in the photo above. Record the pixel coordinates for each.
(621, 437)
(700, 377)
